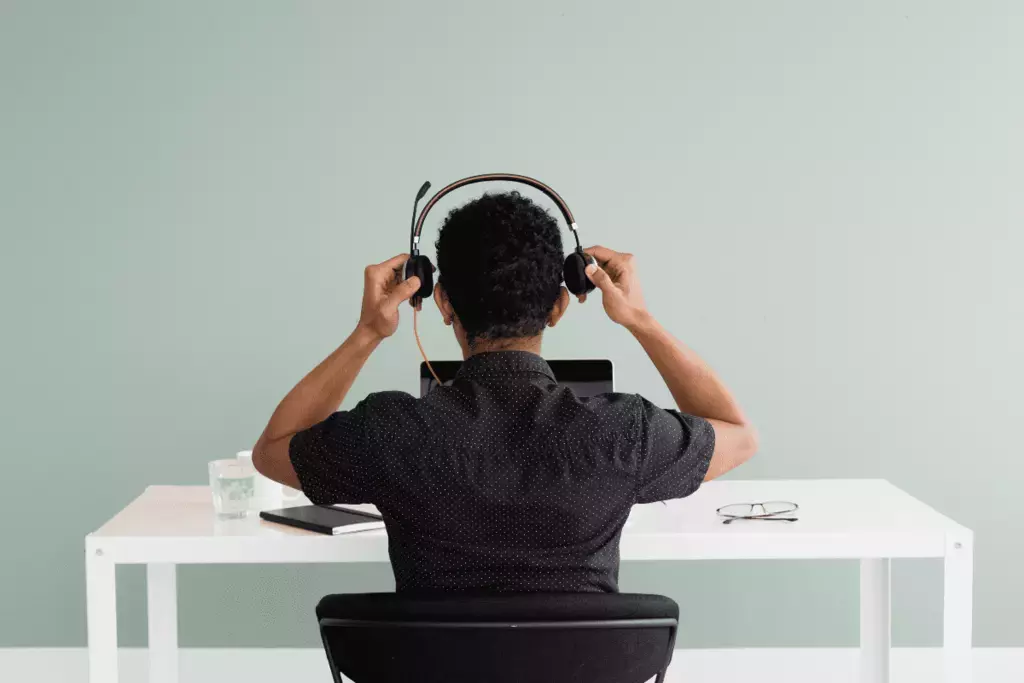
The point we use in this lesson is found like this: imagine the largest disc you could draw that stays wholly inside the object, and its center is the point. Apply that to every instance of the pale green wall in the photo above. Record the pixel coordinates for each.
(824, 198)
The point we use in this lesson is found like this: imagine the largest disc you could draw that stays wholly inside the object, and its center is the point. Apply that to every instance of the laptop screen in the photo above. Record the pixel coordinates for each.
(584, 377)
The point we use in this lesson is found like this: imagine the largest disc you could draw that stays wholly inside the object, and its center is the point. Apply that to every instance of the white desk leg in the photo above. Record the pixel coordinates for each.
(875, 622)
(958, 612)
(101, 609)
(162, 599)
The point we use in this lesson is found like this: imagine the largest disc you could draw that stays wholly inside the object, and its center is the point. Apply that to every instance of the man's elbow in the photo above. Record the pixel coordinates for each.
(737, 443)
(751, 442)
(259, 456)
(743, 447)
(271, 459)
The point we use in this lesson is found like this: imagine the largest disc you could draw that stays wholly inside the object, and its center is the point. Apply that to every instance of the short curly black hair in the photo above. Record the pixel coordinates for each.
(499, 260)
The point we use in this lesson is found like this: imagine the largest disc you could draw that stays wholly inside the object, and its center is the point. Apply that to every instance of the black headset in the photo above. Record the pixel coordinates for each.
(574, 270)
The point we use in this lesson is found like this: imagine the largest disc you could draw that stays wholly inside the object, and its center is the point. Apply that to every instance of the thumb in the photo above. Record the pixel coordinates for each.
(404, 290)
(600, 278)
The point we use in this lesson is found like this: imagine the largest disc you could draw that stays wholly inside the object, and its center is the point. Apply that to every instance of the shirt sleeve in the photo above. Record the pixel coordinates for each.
(676, 453)
(332, 459)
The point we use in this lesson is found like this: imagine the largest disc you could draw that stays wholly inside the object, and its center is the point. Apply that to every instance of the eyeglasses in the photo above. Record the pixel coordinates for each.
(768, 511)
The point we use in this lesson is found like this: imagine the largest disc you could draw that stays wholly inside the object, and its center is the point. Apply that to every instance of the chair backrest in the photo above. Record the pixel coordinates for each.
(498, 638)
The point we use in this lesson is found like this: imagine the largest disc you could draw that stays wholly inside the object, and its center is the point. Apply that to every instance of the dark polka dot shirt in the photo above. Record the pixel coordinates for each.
(505, 480)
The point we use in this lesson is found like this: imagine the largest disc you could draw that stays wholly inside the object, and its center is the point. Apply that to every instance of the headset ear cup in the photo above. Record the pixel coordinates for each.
(421, 267)
(575, 273)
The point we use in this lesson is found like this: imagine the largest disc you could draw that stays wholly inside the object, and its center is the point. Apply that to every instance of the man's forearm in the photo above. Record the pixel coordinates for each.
(697, 390)
(320, 392)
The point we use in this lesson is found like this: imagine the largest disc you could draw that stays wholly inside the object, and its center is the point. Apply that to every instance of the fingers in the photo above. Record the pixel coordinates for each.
(404, 291)
(386, 269)
(602, 254)
(394, 262)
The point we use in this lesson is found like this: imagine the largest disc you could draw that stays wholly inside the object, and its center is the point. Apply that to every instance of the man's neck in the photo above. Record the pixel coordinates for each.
(530, 344)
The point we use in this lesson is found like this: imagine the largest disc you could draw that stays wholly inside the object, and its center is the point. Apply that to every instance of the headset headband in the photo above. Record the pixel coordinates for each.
(414, 237)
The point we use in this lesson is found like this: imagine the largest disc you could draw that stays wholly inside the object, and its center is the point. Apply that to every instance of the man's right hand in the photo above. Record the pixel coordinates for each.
(615, 275)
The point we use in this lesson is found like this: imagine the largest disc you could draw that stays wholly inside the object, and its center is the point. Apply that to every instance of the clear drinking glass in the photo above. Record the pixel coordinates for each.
(233, 485)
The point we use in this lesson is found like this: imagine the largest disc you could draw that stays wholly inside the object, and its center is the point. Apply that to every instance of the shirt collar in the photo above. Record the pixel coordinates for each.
(502, 364)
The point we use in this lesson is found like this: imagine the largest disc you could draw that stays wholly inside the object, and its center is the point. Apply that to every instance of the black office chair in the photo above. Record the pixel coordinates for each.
(496, 638)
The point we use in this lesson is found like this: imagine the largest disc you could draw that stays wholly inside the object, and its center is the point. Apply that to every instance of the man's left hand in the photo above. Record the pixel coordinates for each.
(383, 293)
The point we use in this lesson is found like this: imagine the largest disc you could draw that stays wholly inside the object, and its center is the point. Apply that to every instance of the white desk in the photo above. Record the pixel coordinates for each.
(869, 520)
